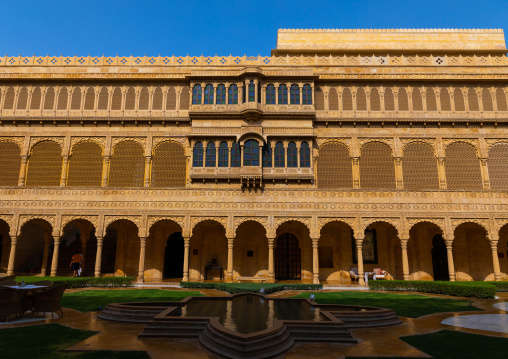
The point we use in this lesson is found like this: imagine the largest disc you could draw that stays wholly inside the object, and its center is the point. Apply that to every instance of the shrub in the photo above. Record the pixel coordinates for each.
(82, 282)
(457, 289)
(500, 286)
(234, 288)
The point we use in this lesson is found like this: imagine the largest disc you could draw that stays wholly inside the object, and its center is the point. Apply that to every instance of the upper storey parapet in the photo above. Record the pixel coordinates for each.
(390, 40)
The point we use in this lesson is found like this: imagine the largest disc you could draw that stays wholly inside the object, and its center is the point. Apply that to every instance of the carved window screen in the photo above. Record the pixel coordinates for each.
(9, 99)
(10, 163)
(361, 100)
(375, 100)
(403, 100)
(417, 100)
(431, 100)
(419, 167)
(501, 100)
(144, 98)
(446, 102)
(76, 99)
(334, 166)
(63, 99)
(157, 99)
(35, 103)
(377, 167)
(184, 98)
(487, 100)
(49, 101)
(171, 99)
(462, 167)
(127, 165)
(389, 100)
(169, 165)
(85, 165)
(320, 99)
(130, 99)
(333, 100)
(90, 99)
(116, 99)
(44, 165)
(22, 99)
(459, 100)
(498, 166)
(347, 100)
(472, 98)
(103, 99)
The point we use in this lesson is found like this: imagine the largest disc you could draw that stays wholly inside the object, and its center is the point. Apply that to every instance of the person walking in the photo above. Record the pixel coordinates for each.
(76, 263)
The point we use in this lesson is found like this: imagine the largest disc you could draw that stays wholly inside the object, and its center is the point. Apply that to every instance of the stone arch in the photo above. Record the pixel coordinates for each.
(127, 166)
(439, 223)
(34, 233)
(10, 162)
(238, 221)
(109, 220)
(289, 221)
(195, 221)
(78, 234)
(482, 222)
(85, 164)
(251, 136)
(122, 245)
(502, 247)
(250, 250)
(157, 99)
(89, 99)
(394, 222)
(153, 221)
(323, 222)
(169, 165)
(377, 166)
(5, 241)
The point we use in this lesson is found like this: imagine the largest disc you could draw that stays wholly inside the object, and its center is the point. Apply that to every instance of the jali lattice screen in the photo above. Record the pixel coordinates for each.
(44, 165)
(334, 166)
(85, 165)
(10, 163)
(169, 165)
(377, 166)
(462, 167)
(127, 165)
(419, 167)
(498, 166)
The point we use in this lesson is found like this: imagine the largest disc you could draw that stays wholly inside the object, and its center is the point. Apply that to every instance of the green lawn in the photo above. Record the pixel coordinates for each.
(405, 305)
(91, 300)
(49, 341)
(448, 344)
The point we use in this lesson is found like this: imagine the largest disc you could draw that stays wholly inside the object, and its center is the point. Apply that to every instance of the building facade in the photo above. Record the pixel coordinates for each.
(344, 148)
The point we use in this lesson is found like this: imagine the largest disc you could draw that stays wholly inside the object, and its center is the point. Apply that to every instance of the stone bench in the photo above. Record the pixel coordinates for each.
(251, 279)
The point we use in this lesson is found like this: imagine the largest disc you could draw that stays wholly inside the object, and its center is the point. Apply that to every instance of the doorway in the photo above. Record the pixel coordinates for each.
(173, 256)
(287, 258)
(439, 258)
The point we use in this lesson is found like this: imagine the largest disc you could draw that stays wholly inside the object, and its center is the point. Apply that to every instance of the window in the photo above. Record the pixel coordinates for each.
(243, 92)
(236, 155)
(279, 155)
(251, 153)
(209, 94)
(198, 155)
(223, 154)
(270, 94)
(283, 95)
(295, 94)
(259, 92)
(267, 155)
(221, 94)
(252, 91)
(307, 95)
(233, 95)
(292, 153)
(210, 155)
(304, 155)
(196, 95)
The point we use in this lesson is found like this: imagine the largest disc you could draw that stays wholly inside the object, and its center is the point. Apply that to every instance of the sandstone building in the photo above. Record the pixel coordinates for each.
(284, 167)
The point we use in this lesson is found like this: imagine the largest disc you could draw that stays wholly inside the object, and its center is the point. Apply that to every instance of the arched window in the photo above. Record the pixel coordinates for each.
(259, 92)
(223, 154)
(403, 100)
(209, 94)
(267, 155)
(347, 99)
(210, 155)
(270, 94)
(236, 155)
(283, 95)
(295, 95)
(389, 100)
(252, 91)
(431, 100)
(375, 100)
(279, 155)
(221, 94)
(197, 160)
(333, 100)
(171, 98)
(292, 153)
(233, 95)
(361, 99)
(304, 155)
(458, 97)
(417, 100)
(251, 153)
(196, 95)
(307, 95)
(244, 90)
(446, 102)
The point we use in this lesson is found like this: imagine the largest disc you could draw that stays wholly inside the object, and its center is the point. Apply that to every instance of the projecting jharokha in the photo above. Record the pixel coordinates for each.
(344, 148)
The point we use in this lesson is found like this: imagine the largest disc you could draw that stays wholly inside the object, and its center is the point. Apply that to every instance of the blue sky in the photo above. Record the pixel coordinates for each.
(149, 27)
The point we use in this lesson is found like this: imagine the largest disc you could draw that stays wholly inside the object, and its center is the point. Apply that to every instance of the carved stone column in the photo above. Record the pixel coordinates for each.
(441, 172)
(105, 171)
(98, 258)
(148, 160)
(45, 256)
(22, 171)
(229, 273)
(485, 173)
(65, 166)
(54, 261)
(315, 262)
(186, 243)
(451, 266)
(359, 255)
(495, 261)
(356, 172)
(271, 274)
(142, 251)
(12, 256)
(399, 180)
(405, 261)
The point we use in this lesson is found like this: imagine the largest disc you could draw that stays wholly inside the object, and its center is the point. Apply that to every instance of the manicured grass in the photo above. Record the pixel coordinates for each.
(90, 300)
(448, 344)
(234, 288)
(82, 282)
(405, 305)
(49, 341)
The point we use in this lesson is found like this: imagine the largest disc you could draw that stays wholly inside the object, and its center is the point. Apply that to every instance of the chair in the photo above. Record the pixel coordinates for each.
(48, 300)
(45, 283)
(353, 272)
(11, 303)
(379, 274)
(8, 283)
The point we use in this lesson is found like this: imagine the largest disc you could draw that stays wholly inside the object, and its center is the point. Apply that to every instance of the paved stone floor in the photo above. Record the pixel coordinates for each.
(371, 342)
